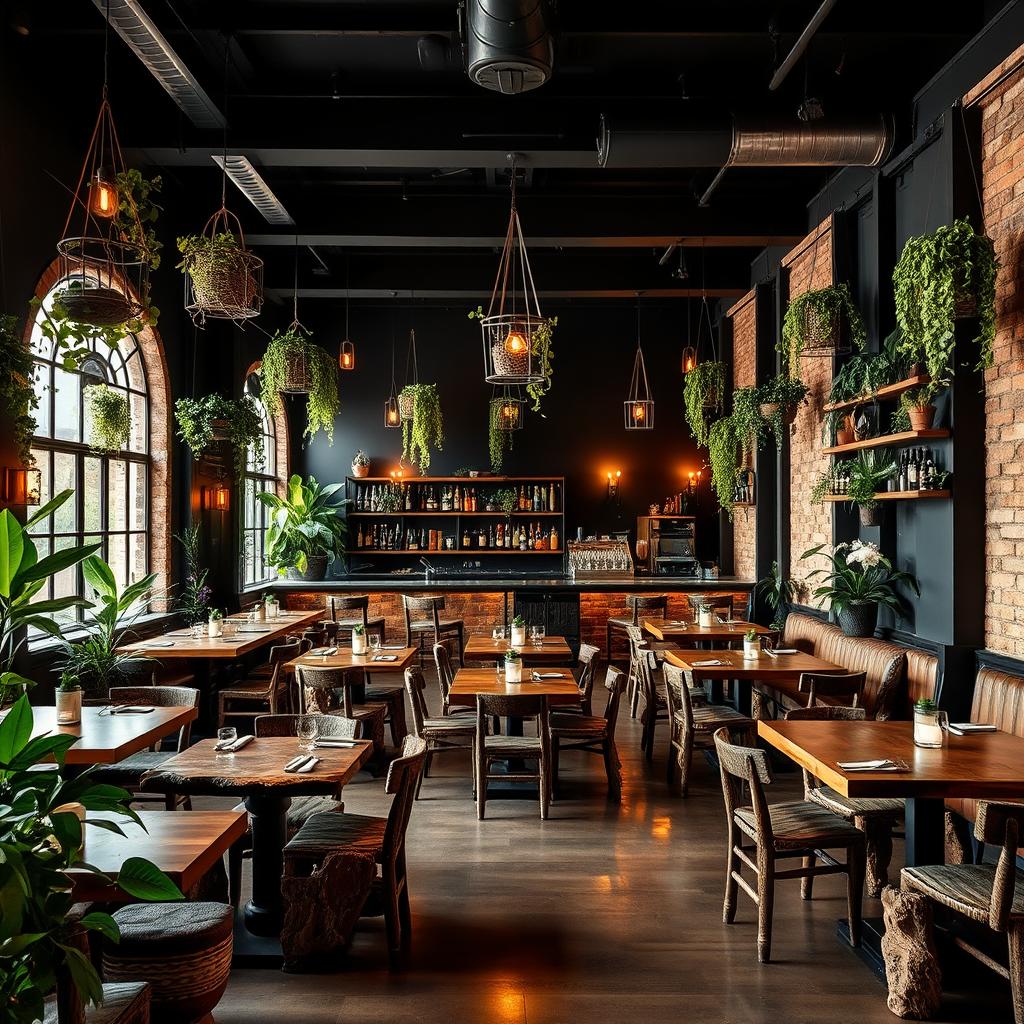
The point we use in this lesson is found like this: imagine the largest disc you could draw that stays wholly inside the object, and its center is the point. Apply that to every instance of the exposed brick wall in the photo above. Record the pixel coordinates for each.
(810, 267)
(744, 374)
(1002, 183)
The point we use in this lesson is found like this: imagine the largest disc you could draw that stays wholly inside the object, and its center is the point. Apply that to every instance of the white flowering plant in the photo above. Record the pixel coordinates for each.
(859, 574)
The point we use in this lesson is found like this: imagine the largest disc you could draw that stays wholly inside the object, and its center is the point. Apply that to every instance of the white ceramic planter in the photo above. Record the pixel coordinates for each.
(518, 636)
(358, 643)
(514, 671)
(751, 648)
(214, 628)
(69, 707)
(273, 609)
(707, 617)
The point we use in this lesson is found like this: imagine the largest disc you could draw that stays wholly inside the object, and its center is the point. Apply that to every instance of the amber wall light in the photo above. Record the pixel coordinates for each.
(217, 498)
(22, 486)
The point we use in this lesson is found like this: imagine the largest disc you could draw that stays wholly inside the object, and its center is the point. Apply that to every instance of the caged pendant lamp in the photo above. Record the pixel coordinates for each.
(392, 414)
(509, 408)
(515, 334)
(347, 351)
(638, 408)
(689, 360)
(407, 396)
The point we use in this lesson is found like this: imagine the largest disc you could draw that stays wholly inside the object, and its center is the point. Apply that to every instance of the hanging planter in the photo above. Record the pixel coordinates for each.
(425, 429)
(407, 396)
(824, 322)
(214, 419)
(638, 408)
(108, 418)
(294, 364)
(702, 393)
(780, 400)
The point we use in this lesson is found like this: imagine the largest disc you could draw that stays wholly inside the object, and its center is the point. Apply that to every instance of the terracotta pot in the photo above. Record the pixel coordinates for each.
(921, 419)
(846, 434)
(858, 619)
(360, 471)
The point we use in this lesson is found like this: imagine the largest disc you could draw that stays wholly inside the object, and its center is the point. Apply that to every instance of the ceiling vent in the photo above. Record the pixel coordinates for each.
(508, 46)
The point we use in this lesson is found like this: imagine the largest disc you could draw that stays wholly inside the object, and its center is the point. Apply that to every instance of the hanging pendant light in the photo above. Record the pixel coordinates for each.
(392, 414)
(509, 408)
(638, 408)
(690, 352)
(347, 351)
(515, 334)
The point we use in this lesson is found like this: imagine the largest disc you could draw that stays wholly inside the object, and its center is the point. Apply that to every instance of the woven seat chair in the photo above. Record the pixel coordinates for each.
(695, 726)
(294, 645)
(449, 732)
(593, 734)
(317, 695)
(779, 832)
(383, 839)
(267, 685)
(424, 625)
(341, 628)
(987, 894)
(445, 678)
(128, 773)
(639, 646)
(587, 665)
(655, 701)
(845, 689)
(488, 748)
(876, 817)
(647, 606)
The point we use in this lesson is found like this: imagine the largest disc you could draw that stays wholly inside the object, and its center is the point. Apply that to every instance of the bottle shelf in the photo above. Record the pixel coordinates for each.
(464, 552)
(894, 496)
(905, 437)
(471, 481)
(882, 394)
(453, 515)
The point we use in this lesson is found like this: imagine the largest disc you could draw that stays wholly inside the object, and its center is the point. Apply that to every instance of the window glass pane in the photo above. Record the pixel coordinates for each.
(117, 556)
(138, 544)
(137, 478)
(41, 387)
(117, 490)
(92, 494)
(67, 404)
(66, 582)
(42, 458)
(65, 519)
(138, 438)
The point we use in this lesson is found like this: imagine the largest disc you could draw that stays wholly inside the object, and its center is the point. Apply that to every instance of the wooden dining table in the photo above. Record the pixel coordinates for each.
(256, 773)
(469, 682)
(183, 846)
(688, 631)
(552, 650)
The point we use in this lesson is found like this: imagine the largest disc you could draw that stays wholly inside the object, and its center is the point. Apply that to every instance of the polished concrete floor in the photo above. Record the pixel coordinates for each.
(602, 913)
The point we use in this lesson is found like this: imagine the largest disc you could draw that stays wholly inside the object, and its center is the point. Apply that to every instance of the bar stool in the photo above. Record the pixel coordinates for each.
(342, 628)
(649, 606)
(438, 629)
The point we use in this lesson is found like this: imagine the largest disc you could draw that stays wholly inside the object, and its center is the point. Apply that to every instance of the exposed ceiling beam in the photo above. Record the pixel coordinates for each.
(471, 295)
(535, 241)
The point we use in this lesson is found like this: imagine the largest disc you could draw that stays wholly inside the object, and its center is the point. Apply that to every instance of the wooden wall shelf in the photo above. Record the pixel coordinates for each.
(905, 437)
(464, 552)
(453, 515)
(894, 496)
(882, 394)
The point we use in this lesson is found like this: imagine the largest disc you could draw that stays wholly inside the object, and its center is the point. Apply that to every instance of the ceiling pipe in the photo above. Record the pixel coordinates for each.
(508, 44)
(801, 44)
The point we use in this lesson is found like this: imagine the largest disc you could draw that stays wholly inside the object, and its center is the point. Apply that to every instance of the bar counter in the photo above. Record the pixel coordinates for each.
(416, 582)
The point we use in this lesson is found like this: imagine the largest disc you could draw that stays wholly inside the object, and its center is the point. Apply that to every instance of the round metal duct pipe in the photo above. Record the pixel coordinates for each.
(508, 45)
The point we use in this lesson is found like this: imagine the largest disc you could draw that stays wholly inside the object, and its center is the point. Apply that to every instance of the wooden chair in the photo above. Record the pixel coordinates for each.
(691, 726)
(445, 678)
(450, 732)
(587, 665)
(423, 621)
(839, 689)
(986, 894)
(383, 839)
(267, 685)
(639, 646)
(595, 735)
(488, 748)
(317, 695)
(876, 817)
(648, 606)
(779, 832)
(655, 706)
(360, 604)
(128, 773)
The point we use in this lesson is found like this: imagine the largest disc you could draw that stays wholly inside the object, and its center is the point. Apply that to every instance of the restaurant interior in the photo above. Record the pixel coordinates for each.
(403, 402)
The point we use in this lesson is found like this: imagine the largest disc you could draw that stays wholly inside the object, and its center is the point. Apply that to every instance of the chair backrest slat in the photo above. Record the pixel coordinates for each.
(353, 602)
(445, 676)
(414, 687)
(1001, 824)
(819, 684)
(327, 725)
(646, 605)
(749, 765)
(615, 684)
(160, 697)
(403, 773)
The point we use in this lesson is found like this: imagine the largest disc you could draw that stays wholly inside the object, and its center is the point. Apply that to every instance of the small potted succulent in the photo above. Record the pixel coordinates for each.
(918, 406)
(273, 606)
(69, 699)
(518, 631)
(751, 648)
(359, 639)
(360, 464)
(215, 624)
(513, 667)
(929, 724)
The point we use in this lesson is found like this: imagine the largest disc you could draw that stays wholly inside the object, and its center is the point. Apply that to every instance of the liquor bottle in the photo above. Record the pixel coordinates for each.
(552, 501)
(912, 479)
(490, 537)
(499, 536)
(553, 539)
(465, 537)
(540, 539)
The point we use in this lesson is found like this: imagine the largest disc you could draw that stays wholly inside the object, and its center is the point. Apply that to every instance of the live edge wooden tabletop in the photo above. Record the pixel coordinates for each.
(257, 769)
(719, 631)
(184, 846)
(345, 659)
(982, 765)
(105, 738)
(552, 650)
(471, 681)
(786, 667)
(179, 644)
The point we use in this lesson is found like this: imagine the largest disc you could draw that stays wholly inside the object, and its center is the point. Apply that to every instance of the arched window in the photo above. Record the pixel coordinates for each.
(255, 515)
(120, 499)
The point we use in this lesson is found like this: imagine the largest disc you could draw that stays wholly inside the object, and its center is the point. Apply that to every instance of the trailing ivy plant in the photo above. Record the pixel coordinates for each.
(322, 402)
(499, 440)
(425, 429)
(828, 308)
(722, 450)
(506, 501)
(238, 417)
(747, 421)
(703, 389)
(136, 190)
(109, 417)
(785, 393)
(18, 397)
(933, 274)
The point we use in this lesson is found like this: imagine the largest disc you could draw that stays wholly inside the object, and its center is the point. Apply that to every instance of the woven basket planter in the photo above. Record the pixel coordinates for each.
(101, 307)
(223, 286)
(406, 403)
(820, 337)
(297, 378)
(769, 409)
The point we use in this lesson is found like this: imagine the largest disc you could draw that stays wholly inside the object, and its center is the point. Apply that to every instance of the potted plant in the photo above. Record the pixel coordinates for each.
(273, 605)
(780, 399)
(17, 395)
(940, 278)
(223, 274)
(425, 429)
(748, 422)
(295, 364)
(506, 501)
(68, 699)
(213, 418)
(815, 319)
(360, 464)
(859, 580)
(751, 646)
(868, 472)
(306, 534)
(722, 450)
(499, 434)
(359, 639)
(513, 667)
(703, 390)
(705, 616)
(518, 631)
(929, 724)
(919, 407)
(778, 591)
(215, 623)
(193, 601)
(108, 418)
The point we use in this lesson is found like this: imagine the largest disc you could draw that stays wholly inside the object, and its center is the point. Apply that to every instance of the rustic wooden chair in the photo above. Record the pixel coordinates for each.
(639, 646)
(515, 749)
(694, 726)
(593, 734)
(266, 685)
(128, 773)
(655, 700)
(445, 678)
(317, 694)
(423, 623)
(450, 732)
(381, 838)
(360, 605)
(640, 606)
(987, 894)
(780, 831)
(845, 689)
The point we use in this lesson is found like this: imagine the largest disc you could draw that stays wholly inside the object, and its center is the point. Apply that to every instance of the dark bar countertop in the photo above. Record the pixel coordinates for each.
(505, 583)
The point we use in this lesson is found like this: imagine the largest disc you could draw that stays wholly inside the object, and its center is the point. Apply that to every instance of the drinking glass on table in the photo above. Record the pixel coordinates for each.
(537, 636)
(226, 734)
(198, 630)
(498, 633)
(374, 641)
(307, 731)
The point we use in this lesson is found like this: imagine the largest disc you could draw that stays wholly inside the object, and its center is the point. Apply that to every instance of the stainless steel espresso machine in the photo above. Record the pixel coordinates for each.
(666, 546)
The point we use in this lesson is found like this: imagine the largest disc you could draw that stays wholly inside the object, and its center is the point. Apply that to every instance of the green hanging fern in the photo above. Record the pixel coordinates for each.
(826, 307)
(17, 395)
(499, 440)
(747, 421)
(241, 420)
(722, 447)
(322, 402)
(703, 389)
(425, 429)
(109, 417)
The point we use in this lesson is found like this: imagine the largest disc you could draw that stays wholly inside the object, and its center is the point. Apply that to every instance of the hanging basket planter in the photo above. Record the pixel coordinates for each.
(294, 364)
(406, 406)
(297, 377)
(788, 412)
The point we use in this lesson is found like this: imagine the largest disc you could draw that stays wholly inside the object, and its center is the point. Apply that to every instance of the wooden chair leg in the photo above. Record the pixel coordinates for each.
(405, 913)
(555, 751)
(544, 784)
(672, 761)
(392, 922)
(732, 863)
(613, 770)
(685, 763)
(480, 766)
(765, 907)
(235, 874)
(855, 858)
(1015, 946)
(807, 882)
(879, 853)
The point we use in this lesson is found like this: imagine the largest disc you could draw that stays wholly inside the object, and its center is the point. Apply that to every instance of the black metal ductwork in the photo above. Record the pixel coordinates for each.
(509, 48)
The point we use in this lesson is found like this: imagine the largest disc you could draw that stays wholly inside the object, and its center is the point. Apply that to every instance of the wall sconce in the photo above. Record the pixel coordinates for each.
(216, 498)
(613, 483)
(22, 486)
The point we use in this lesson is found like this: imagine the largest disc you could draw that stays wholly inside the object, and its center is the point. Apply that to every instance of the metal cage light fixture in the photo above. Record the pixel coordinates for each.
(690, 355)
(392, 413)
(638, 408)
(509, 408)
(347, 351)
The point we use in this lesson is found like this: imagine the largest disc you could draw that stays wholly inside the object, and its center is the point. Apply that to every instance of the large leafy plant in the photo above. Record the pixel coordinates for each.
(827, 309)
(936, 273)
(239, 418)
(294, 348)
(305, 522)
(868, 472)
(18, 397)
(40, 839)
(859, 574)
(778, 590)
(703, 390)
(425, 429)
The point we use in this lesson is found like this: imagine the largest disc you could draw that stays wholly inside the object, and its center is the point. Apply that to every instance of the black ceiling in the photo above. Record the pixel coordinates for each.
(361, 118)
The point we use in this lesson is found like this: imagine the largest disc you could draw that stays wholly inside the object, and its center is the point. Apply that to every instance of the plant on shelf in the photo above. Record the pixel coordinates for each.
(778, 591)
(18, 397)
(506, 501)
(819, 314)
(939, 278)
(425, 429)
(499, 438)
(193, 602)
(748, 422)
(360, 464)
(857, 582)
(823, 486)
(389, 498)
(306, 534)
(293, 362)
(919, 407)
(98, 659)
(41, 836)
(868, 472)
(779, 399)
(201, 421)
(703, 390)
(722, 451)
(108, 418)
